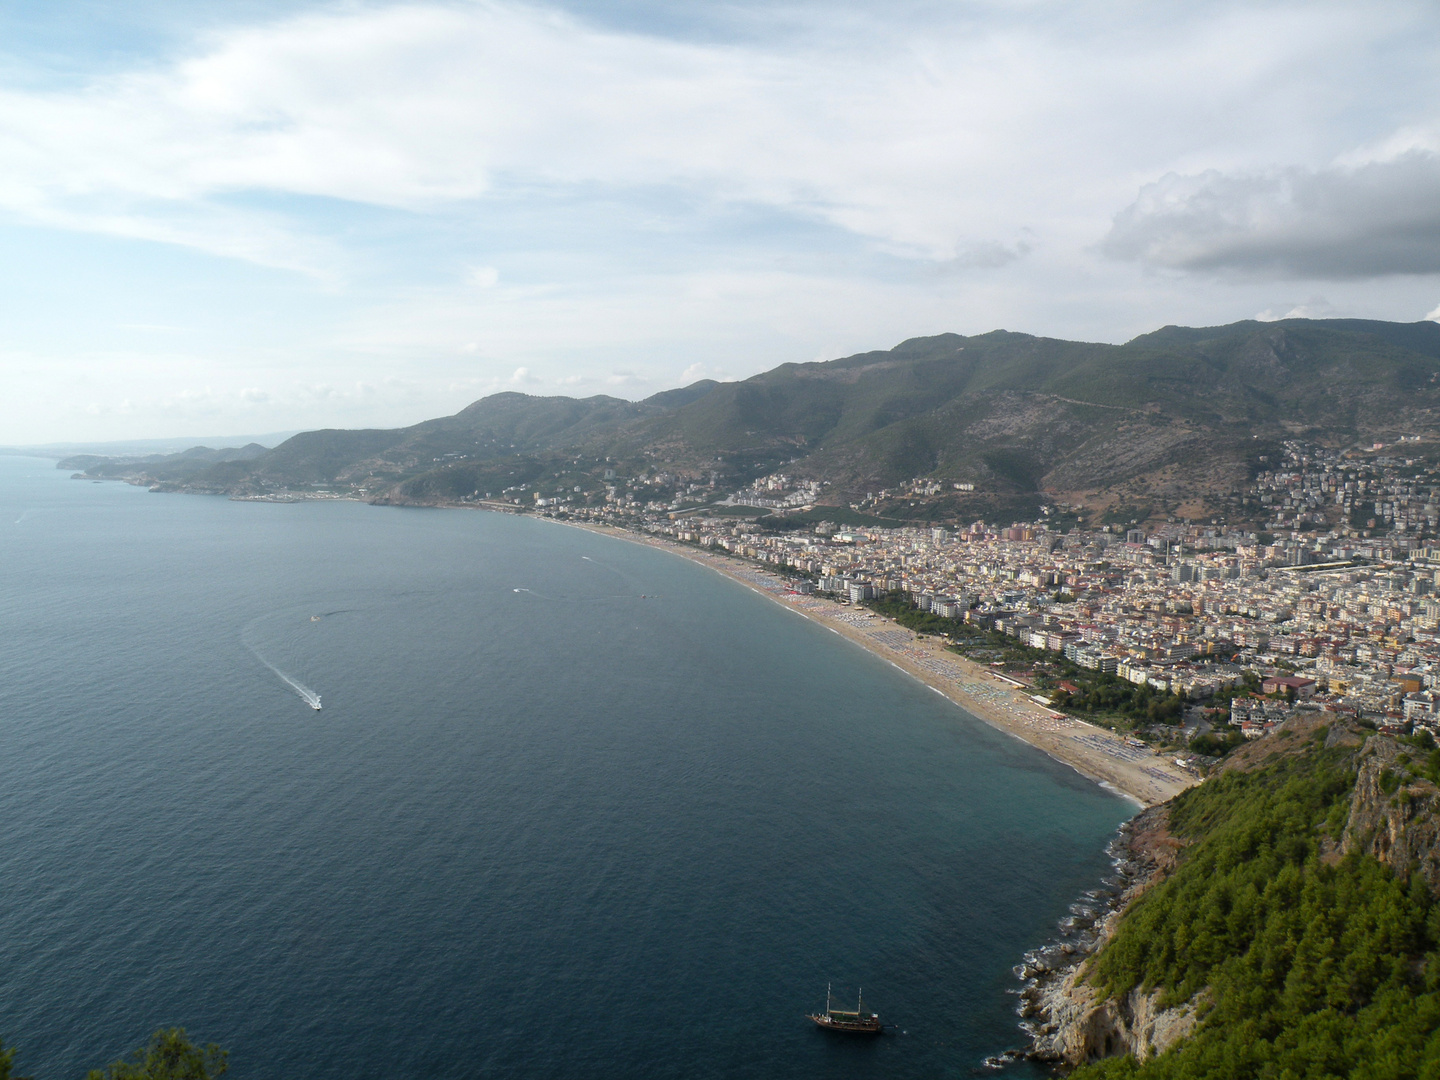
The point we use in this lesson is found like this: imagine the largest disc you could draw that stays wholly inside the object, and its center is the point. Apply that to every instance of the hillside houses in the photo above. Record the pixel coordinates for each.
(1350, 621)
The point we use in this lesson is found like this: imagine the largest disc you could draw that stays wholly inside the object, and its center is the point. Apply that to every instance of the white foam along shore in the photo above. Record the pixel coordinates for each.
(1134, 772)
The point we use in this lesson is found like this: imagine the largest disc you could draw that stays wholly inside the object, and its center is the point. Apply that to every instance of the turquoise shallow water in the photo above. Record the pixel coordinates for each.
(573, 807)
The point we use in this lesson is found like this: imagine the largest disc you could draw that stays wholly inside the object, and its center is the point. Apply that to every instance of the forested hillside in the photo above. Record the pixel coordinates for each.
(1287, 930)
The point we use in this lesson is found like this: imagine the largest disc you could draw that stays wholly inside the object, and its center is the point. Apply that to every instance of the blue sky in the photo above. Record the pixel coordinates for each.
(256, 216)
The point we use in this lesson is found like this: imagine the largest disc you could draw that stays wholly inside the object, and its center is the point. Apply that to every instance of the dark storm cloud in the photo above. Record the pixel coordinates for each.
(1369, 221)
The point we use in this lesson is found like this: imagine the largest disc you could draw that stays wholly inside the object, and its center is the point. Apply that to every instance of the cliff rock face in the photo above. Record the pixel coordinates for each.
(1394, 815)
(1082, 1028)
(1068, 1022)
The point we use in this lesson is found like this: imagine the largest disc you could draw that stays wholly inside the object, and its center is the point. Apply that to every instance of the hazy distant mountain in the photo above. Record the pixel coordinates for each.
(137, 448)
(180, 466)
(1176, 414)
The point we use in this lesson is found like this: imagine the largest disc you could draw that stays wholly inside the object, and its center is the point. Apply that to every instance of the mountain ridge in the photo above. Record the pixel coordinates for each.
(1173, 419)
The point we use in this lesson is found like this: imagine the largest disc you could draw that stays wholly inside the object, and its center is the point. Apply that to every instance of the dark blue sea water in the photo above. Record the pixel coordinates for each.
(573, 807)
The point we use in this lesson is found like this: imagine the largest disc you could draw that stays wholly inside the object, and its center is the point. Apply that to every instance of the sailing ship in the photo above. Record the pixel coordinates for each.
(856, 1021)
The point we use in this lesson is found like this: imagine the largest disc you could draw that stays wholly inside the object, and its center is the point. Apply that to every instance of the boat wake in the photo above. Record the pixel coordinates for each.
(303, 692)
(310, 697)
(604, 598)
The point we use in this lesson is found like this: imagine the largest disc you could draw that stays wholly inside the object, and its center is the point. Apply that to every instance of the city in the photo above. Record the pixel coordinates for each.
(1329, 604)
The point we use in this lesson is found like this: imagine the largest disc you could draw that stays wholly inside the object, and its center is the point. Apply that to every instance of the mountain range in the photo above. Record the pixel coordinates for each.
(1175, 418)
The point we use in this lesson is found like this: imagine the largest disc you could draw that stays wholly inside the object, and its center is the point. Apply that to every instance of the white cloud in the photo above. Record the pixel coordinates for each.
(1353, 221)
(122, 407)
(942, 141)
(1317, 307)
(478, 188)
(697, 372)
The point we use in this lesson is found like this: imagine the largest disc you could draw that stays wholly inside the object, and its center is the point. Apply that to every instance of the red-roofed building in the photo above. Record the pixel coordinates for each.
(1275, 684)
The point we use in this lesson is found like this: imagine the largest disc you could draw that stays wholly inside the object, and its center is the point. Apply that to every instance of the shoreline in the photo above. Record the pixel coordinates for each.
(1142, 776)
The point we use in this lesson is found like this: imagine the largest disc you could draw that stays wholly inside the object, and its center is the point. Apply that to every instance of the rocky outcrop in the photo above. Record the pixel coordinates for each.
(1296, 737)
(1084, 1028)
(1068, 1022)
(1394, 814)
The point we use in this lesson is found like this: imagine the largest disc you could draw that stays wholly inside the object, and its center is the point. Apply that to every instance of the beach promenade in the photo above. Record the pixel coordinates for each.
(1137, 772)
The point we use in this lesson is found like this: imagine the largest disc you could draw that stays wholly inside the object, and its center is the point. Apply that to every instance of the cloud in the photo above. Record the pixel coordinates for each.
(991, 255)
(1317, 307)
(1376, 219)
(698, 371)
(493, 184)
(123, 406)
(937, 137)
(980, 255)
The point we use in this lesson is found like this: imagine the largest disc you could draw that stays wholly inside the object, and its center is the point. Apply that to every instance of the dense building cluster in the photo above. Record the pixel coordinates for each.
(1329, 494)
(1333, 602)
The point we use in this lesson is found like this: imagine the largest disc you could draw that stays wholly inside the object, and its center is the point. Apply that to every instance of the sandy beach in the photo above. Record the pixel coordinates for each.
(1137, 772)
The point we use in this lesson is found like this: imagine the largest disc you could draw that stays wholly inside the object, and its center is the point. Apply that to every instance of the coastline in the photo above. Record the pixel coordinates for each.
(1141, 775)
(1066, 1021)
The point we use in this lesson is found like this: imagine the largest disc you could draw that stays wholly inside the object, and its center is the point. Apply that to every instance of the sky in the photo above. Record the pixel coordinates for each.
(255, 216)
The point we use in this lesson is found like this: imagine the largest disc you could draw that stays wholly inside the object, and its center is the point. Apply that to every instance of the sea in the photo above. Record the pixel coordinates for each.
(572, 808)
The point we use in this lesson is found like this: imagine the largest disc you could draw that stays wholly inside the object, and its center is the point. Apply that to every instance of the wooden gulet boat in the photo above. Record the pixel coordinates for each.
(856, 1022)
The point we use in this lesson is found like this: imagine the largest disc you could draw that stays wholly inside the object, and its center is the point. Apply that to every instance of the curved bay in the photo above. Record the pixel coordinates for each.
(573, 807)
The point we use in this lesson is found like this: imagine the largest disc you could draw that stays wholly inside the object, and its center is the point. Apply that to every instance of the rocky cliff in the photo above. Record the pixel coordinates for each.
(1068, 1020)
(1393, 816)
(1395, 810)
(1086, 1029)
